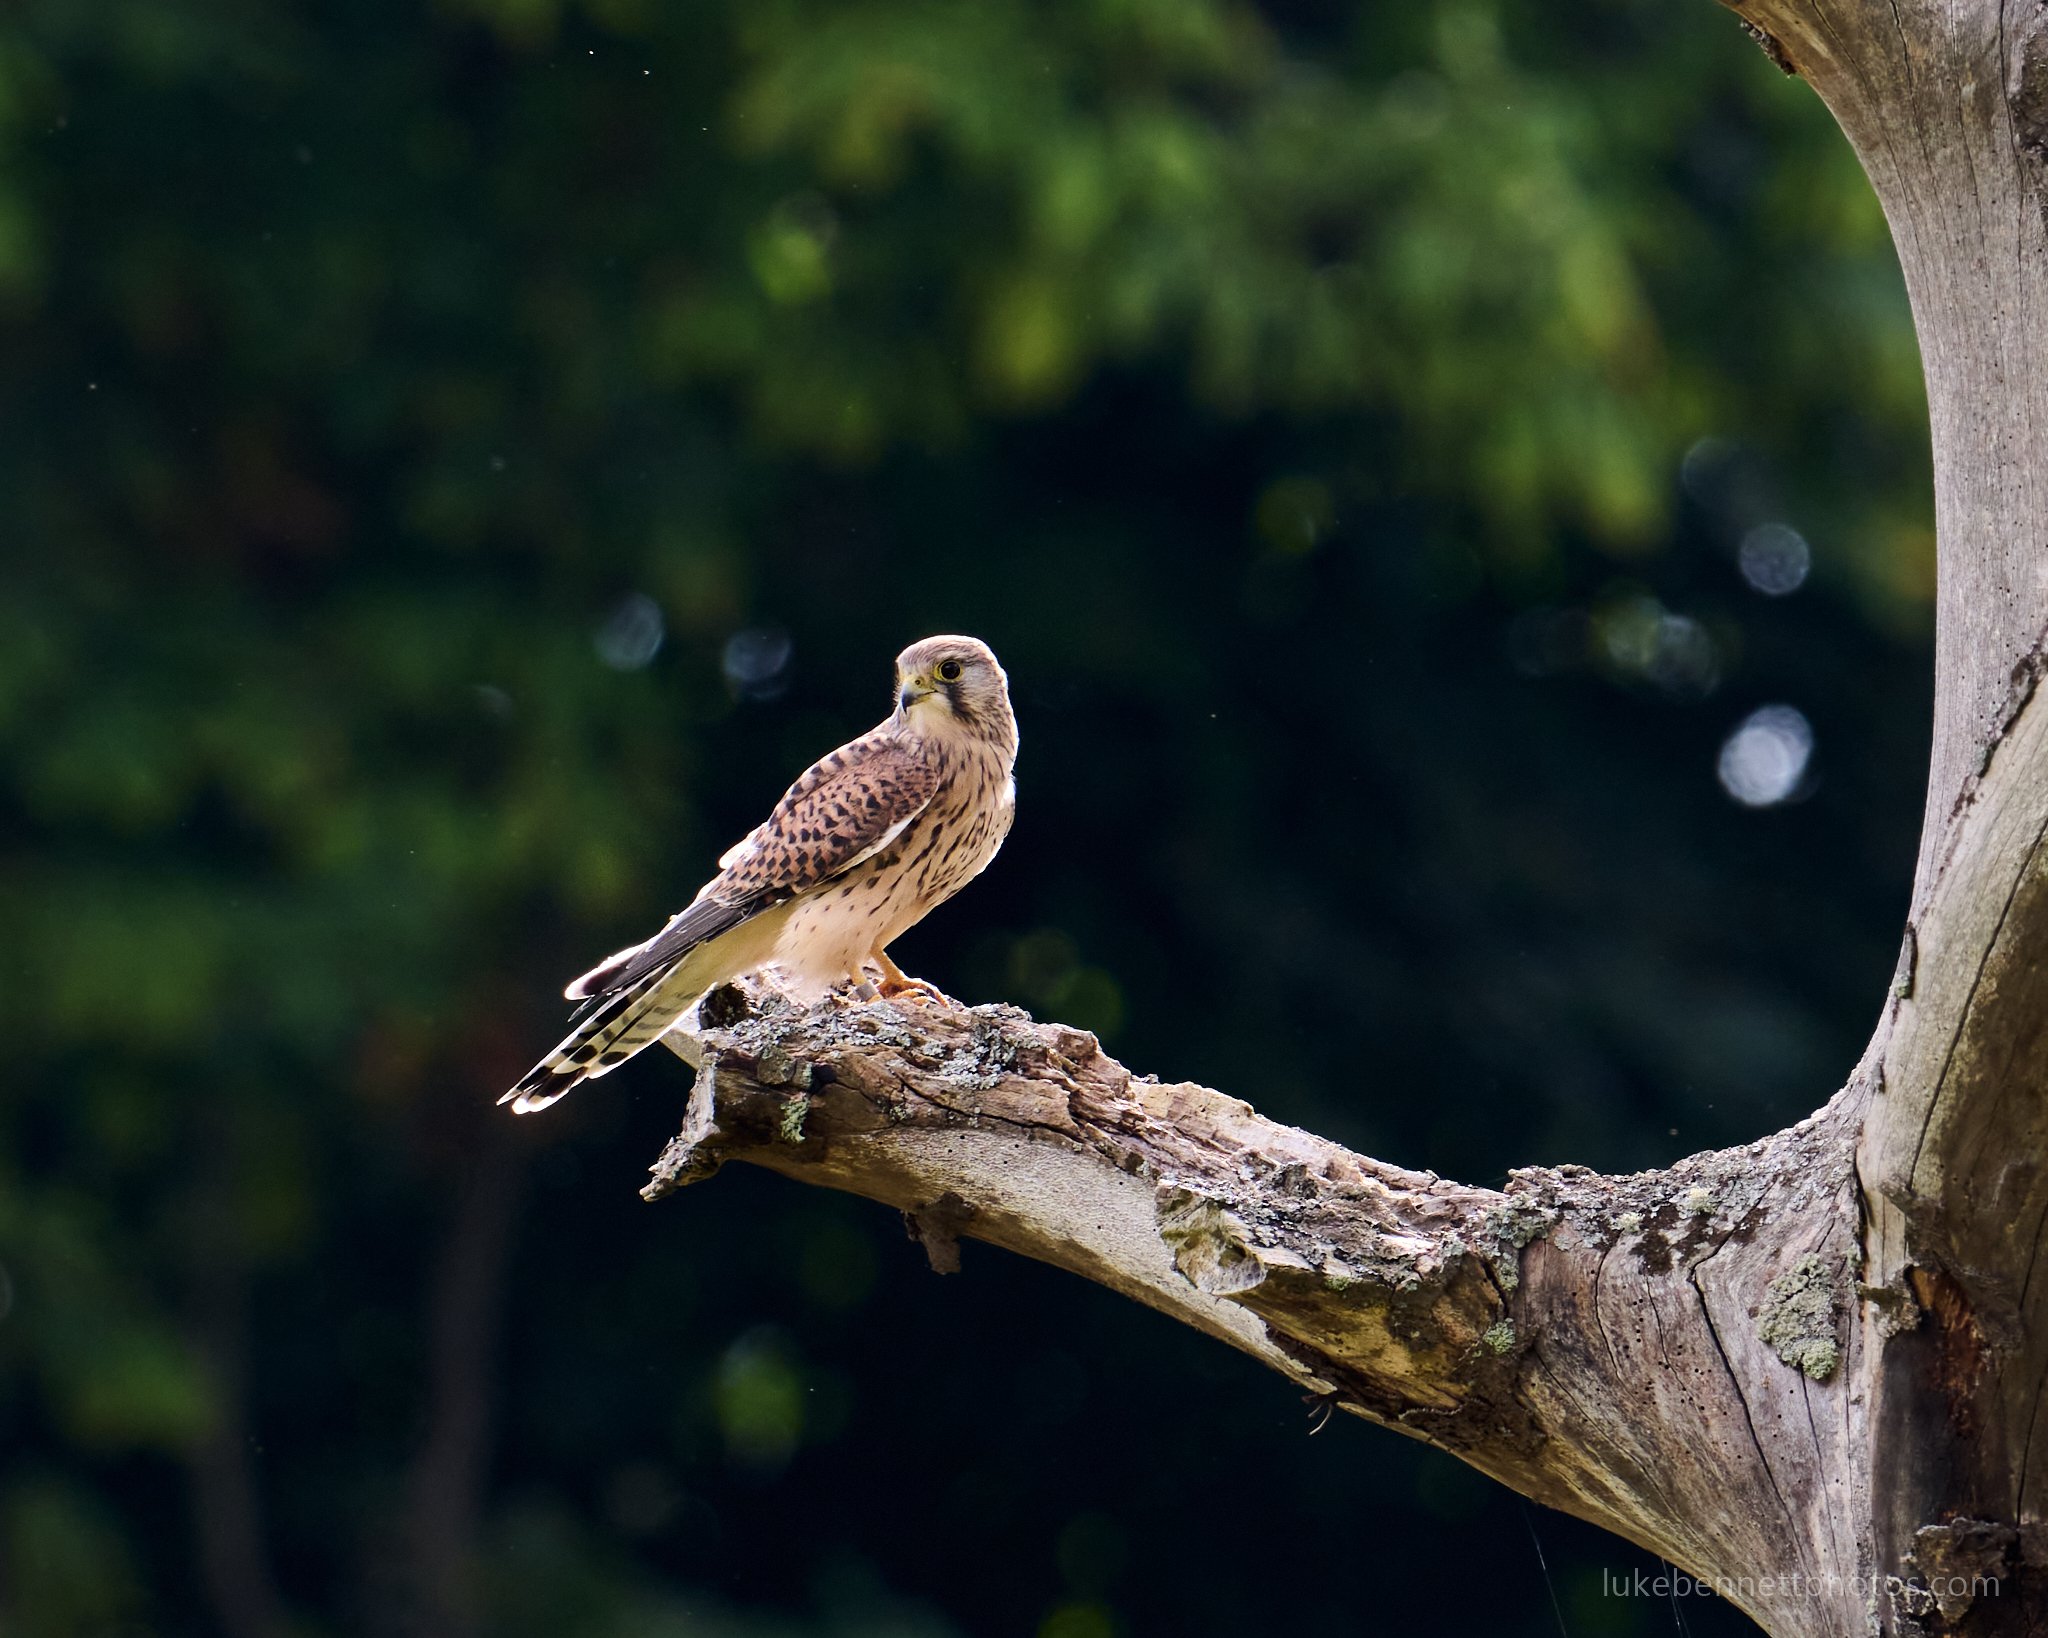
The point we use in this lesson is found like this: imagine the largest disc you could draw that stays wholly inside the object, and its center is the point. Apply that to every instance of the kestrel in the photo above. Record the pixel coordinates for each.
(863, 847)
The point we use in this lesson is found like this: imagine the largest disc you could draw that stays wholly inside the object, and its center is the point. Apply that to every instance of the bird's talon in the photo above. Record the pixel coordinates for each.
(893, 989)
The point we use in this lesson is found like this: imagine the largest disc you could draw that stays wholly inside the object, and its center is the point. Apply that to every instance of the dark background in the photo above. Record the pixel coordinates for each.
(458, 463)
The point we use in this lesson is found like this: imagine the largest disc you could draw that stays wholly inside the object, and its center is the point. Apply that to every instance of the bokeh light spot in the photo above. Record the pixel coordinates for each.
(1774, 558)
(757, 663)
(1639, 637)
(632, 633)
(1765, 760)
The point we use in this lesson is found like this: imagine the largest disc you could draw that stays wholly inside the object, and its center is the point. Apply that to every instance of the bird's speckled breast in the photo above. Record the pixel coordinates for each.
(832, 931)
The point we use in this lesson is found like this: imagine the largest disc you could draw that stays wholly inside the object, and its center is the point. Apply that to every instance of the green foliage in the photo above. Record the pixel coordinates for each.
(760, 1399)
(70, 1571)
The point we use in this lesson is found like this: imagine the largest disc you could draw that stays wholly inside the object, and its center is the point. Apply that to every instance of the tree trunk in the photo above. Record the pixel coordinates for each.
(1808, 1370)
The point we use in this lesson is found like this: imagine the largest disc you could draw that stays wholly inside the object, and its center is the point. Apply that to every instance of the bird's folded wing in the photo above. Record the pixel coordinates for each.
(844, 810)
(687, 928)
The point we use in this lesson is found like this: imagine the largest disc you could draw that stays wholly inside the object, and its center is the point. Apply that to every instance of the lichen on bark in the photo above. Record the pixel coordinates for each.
(1800, 1315)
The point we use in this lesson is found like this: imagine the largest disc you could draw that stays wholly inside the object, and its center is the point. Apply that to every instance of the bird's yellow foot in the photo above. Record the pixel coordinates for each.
(891, 989)
(896, 982)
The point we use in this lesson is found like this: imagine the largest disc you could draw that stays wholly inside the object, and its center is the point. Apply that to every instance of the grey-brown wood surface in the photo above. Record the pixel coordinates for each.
(1809, 1370)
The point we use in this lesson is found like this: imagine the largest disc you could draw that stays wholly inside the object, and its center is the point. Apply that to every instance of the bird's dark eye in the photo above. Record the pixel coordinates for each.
(949, 671)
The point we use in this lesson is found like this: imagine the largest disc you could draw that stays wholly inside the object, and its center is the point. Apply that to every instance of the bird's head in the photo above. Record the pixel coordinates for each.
(950, 684)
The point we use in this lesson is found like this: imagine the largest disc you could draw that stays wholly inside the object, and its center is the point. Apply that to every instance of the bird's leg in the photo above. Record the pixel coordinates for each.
(896, 982)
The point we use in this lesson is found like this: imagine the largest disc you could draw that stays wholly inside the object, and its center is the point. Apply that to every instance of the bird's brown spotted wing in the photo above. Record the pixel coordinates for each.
(844, 809)
(850, 805)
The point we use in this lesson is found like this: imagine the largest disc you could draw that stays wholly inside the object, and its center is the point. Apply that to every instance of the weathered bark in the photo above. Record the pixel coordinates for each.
(1947, 107)
(1809, 1370)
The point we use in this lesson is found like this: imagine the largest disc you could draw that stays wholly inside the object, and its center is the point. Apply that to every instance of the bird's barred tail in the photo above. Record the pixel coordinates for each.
(614, 1028)
(611, 1028)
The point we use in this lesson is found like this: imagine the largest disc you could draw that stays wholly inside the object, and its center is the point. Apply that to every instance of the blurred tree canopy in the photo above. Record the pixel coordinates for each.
(461, 461)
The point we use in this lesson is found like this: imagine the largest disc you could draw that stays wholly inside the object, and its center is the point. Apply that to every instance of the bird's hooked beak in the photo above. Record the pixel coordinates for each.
(914, 689)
